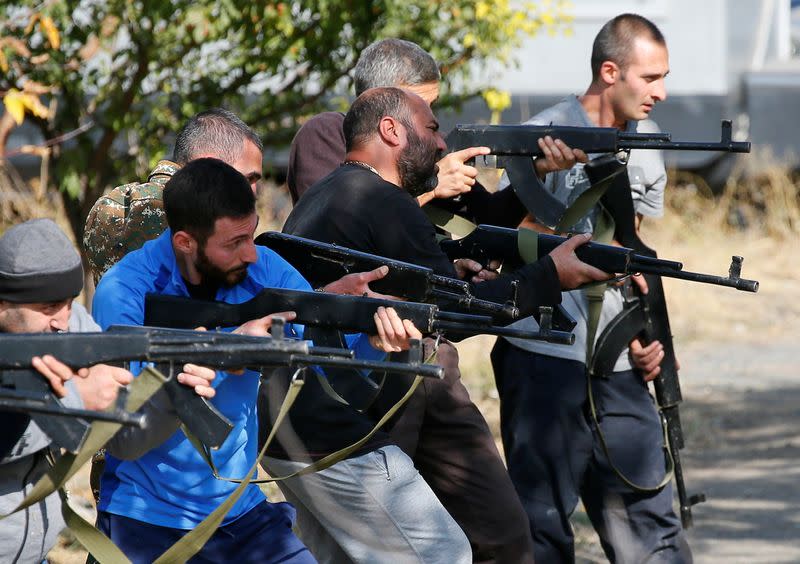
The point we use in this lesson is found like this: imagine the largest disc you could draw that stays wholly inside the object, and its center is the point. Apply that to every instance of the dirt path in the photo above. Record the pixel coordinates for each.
(742, 414)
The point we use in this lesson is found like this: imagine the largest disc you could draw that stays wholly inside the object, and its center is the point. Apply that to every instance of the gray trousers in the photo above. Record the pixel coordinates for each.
(373, 508)
(28, 535)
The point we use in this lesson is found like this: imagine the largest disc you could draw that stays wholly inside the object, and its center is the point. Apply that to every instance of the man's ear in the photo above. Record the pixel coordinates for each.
(184, 243)
(610, 73)
(392, 132)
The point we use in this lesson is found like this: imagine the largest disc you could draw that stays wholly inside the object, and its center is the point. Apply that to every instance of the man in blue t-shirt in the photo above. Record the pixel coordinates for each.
(150, 499)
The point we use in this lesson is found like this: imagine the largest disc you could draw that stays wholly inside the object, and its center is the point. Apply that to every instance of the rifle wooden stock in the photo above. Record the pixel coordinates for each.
(352, 314)
(323, 263)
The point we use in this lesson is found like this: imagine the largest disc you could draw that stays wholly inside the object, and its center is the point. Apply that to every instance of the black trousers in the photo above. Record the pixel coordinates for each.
(554, 458)
(453, 449)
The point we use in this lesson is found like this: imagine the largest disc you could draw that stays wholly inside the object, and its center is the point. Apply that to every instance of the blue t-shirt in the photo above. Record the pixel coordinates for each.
(171, 485)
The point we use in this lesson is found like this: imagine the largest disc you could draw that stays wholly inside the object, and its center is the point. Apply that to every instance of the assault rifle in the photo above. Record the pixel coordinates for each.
(352, 314)
(323, 263)
(512, 147)
(168, 349)
(523, 140)
(489, 242)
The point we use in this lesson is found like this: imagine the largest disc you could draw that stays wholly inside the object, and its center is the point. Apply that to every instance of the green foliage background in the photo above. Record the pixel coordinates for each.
(138, 69)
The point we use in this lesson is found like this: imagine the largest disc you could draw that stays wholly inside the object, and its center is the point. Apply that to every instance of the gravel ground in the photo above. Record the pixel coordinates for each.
(743, 444)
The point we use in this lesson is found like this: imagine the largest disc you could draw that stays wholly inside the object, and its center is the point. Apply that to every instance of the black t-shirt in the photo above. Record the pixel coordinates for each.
(354, 207)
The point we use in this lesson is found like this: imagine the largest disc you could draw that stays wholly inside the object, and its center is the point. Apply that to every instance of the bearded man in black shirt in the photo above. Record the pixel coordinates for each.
(369, 204)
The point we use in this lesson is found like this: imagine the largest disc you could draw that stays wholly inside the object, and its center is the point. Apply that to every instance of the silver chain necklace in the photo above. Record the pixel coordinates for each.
(363, 165)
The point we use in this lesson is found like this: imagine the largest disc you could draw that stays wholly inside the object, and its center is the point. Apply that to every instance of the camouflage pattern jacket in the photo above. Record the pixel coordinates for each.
(125, 219)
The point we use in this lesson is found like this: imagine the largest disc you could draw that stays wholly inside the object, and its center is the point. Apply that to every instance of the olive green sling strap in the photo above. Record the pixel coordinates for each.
(103, 550)
(194, 540)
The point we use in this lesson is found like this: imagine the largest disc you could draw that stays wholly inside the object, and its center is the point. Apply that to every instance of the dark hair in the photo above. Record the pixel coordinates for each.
(365, 114)
(394, 62)
(202, 192)
(216, 132)
(615, 40)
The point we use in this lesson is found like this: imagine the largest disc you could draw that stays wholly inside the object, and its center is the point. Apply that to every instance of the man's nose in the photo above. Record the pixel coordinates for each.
(660, 91)
(60, 320)
(249, 254)
(440, 144)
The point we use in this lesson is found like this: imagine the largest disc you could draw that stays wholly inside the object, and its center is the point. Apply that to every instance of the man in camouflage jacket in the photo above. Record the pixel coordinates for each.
(132, 214)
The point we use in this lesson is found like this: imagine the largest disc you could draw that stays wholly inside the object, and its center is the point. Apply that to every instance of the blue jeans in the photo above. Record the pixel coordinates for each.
(261, 535)
(373, 508)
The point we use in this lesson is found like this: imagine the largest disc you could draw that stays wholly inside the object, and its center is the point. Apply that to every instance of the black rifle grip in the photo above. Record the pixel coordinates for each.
(203, 419)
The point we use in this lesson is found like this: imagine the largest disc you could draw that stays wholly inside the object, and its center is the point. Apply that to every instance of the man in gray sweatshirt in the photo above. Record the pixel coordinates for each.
(553, 447)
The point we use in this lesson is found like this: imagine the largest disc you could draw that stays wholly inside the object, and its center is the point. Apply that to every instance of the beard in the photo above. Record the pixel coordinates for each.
(212, 274)
(417, 165)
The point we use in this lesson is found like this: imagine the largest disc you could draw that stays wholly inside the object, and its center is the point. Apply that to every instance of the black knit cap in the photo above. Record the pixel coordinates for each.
(38, 263)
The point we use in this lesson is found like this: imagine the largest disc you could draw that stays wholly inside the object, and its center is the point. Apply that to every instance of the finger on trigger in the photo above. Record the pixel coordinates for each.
(471, 153)
(397, 324)
(379, 327)
(411, 329)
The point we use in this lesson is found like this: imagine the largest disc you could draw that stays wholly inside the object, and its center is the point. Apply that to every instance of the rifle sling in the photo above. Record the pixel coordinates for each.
(615, 338)
(194, 540)
(670, 470)
(100, 547)
(619, 204)
(328, 460)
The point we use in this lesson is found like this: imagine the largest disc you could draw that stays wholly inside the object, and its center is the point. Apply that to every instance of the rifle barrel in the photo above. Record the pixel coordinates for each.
(639, 260)
(559, 337)
(427, 370)
(742, 284)
(731, 147)
(10, 400)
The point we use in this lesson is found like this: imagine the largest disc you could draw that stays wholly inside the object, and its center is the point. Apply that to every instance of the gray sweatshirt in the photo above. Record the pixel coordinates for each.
(28, 535)
(648, 179)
